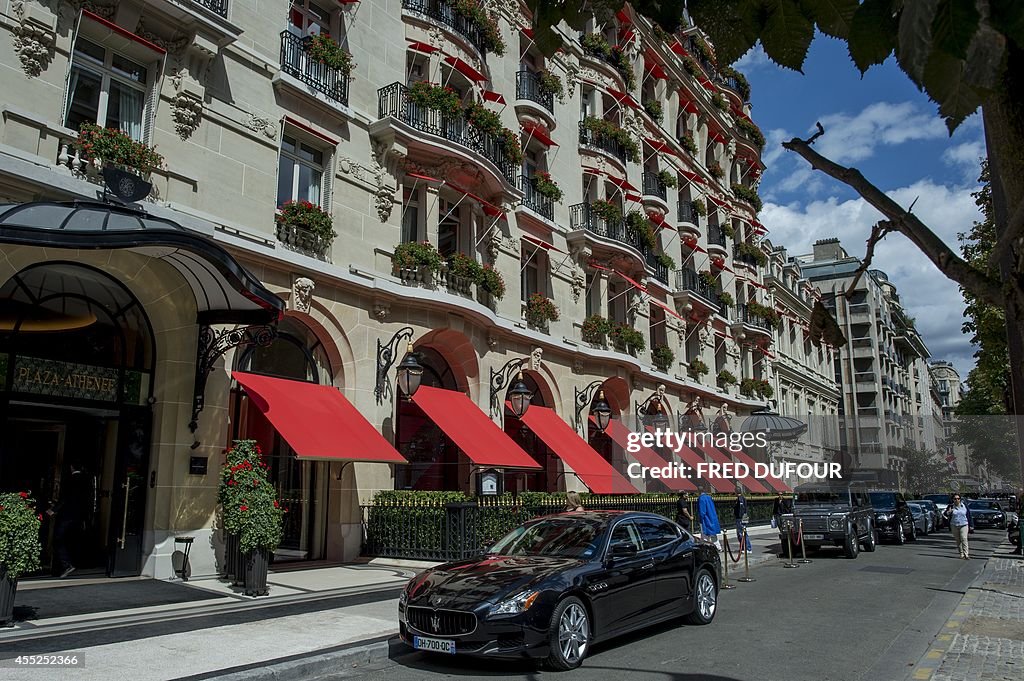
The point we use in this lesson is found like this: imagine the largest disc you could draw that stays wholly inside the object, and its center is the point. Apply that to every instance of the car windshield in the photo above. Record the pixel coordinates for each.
(980, 505)
(560, 537)
(883, 499)
(822, 496)
(938, 498)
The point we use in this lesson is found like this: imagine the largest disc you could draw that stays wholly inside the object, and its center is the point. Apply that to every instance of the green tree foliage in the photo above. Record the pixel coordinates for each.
(926, 472)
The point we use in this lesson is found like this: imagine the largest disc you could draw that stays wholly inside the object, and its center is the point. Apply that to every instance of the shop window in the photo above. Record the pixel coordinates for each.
(300, 174)
(108, 89)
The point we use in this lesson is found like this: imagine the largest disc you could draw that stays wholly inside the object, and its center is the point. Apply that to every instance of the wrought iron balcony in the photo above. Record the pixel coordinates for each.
(296, 62)
(689, 280)
(660, 269)
(444, 12)
(597, 140)
(745, 316)
(744, 258)
(653, 186)
(687, 212)
(583, 216)
(528, 86)
(393, 100)
(534, 200)
(219, 7)
(716, 237)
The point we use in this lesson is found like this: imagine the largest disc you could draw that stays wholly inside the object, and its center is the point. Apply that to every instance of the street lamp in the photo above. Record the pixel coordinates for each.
(409, 370)
(653, 408)
(519, 397)
(410, 373)
(601, 412)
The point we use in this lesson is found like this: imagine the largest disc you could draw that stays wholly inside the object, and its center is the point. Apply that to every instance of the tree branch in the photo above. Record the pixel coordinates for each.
(878, 232)
(909, 225)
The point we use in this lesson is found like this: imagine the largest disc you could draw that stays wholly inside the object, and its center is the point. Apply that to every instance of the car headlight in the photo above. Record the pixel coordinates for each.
(787, 523)
(516, 605)
(884, 517)
(403, 598)
(836, 523)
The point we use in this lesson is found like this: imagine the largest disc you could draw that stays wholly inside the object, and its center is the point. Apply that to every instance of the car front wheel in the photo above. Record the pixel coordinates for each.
(900, 537)
(913, 533)
(850, 546)
(569, 633)
(872, 541)
(705, 598)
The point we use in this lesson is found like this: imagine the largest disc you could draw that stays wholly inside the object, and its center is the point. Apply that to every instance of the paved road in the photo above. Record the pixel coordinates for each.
(868, 619)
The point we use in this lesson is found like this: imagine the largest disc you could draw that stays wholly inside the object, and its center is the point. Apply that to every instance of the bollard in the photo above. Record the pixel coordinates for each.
(789, 546)
(725, 562)
(746, 561)
(803, 548)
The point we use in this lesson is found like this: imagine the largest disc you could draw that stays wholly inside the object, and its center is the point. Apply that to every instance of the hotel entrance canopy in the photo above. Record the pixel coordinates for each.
(225, 292)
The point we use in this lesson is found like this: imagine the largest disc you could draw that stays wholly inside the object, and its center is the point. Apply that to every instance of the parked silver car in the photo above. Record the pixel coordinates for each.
(935, 511)
(922, 517)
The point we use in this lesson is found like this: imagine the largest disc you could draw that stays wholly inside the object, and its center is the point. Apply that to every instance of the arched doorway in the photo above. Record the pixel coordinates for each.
(302, 485)
(76, 364)
(434, 460)
(547, 478)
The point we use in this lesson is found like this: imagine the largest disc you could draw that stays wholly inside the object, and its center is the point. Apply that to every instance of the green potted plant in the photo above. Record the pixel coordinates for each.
(551, 83)
(667, 178)
(749, 195)
(20, 547)
(700, 207)
(305, 225)
(487, 121)
(688, 143)
(606, 210)
(323, 49)
(726, 378)
(436, 97)
(696, 368)
(715, 168)
(726, 298)
(654, 109)
(719, 102)
(770, 316)
(491, 282)
(750, 130)
(474, 12)
(728, 230)
(703, 50)
(544, 185)
(620, 61)
(752, 251)
(742, 84)
(765, 390)
(124, 163)
(252, 511)
(666, 261)
(608, 130)
(416, 261)
(540, 310)
(662, 357)
(463, 272)
(639, 226)
(625, 338)
(595, 329)
(708, 278)
(595, 45)
(748, 387)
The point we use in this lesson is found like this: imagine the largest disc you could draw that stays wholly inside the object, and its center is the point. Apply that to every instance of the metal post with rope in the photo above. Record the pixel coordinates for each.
(803, 546)
(789, 545)
(746, 578)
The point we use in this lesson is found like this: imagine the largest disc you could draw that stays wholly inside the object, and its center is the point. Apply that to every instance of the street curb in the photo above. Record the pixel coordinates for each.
(936, 653)
(308, 667)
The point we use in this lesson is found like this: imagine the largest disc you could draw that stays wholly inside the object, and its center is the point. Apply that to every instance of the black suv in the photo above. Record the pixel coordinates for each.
(834, 514)
(893, 517)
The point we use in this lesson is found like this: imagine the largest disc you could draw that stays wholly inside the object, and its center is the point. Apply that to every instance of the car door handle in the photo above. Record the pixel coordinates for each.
(648, 566)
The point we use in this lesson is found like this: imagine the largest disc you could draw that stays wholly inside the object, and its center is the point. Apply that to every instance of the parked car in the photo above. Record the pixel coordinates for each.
(941, 501)
(893, 517)
(922, 518)
(556, 585)
(987, 513)
(933, 509)
(831, 515)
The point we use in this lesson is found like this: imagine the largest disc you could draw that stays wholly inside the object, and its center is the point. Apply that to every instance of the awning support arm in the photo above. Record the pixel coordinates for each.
(212, 346)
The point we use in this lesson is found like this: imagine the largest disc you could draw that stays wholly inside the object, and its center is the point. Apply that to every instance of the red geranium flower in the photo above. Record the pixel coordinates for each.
(243, 508)
(276, 505)
(23, 495)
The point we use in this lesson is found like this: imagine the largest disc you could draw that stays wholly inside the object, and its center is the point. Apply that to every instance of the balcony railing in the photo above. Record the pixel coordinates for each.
(743, 314)
(716, 237)
(216, 6)
(528, 86)
(744, 258)
(534, 200)
(394, 101)
(689, 280)
(660, 269)
(596, 140)
(443, 12)
(296, 62)
(582, 216)
(653, 186)
(687, 212)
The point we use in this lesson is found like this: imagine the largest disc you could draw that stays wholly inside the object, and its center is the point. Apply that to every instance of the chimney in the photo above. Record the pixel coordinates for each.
(828, 249)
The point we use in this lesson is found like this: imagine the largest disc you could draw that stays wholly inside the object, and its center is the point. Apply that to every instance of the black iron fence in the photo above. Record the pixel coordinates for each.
(296, 62)
(393, 100)
(689, 280)
(597, 140)
(687, 212)
(534, 200)
(216, 6)
(443, 11)
(716, 236)
(743, 314)
(583, 216)
(744, 258)
(653, 186)
(452, 531)
(528, 86)
(659, 268)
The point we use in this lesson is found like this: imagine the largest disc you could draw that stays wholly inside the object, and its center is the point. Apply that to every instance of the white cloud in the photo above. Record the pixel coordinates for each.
(754, 59)
(932, 299)
(854, 138)
(966, 157)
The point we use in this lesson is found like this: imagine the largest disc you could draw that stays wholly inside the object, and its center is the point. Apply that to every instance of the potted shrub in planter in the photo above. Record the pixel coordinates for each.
(688, 142)
(715, 168)
(748, 387)
(666, 261)
(626, 339)
(749, 195)
(654, 109)
(701, 208)
(662, 357)
(753, 252)
(726, 298)
(491, 285)
(697, 368)
(769, 315)
(607, 211)
(486, 121)
(639, 227)
(540, 310)
(708, 278)
(595, 330)
(608, 130)
(765, 389)
(126, 163)
(474, 12)
(551, 83)
(323, 49)
(726, 378)
(720, 102)
(416, 262)
(305, 225)
(427, 95)
(20, 547)
(544, 185)
(667, 179)
(463, 272)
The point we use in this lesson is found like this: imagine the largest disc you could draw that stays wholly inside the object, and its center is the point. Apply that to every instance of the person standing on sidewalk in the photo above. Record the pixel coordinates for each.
(739, 511)
(72, 510)
(683, 516)
(573, 502)
(960, 523)
(709, 526)
(780, 507)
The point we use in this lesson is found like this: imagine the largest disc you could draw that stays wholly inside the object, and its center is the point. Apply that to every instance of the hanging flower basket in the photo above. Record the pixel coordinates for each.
(323, 49)
(305, 225)
(540, 310)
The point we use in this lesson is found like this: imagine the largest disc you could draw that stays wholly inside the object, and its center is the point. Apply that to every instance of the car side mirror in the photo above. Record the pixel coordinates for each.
(622, 550)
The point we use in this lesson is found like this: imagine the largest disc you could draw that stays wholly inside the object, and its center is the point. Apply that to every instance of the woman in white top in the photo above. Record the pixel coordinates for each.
(959, 524)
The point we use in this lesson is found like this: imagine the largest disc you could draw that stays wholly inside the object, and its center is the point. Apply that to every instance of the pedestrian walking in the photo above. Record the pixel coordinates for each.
(72, 509)
(709, 526)
(573, 502)
(683, 516)
(742, 517)
(780, 507)
(960, 524)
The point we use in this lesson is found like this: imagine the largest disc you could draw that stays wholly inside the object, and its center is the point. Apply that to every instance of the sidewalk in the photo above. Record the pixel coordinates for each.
(984, 638)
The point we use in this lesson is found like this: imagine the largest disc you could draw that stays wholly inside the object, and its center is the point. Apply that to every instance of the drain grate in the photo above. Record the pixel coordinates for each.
(888, 570)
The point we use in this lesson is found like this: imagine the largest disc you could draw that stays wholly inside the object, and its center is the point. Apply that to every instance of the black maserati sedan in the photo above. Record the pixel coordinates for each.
(554, 586)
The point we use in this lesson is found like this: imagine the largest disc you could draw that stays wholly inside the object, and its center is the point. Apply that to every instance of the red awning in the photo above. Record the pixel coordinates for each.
(693, 177)
(716, 455)
(707, 84)
(688, 105)
(539, 133)
(660, 221)
(666, 308)
(470, 429)
(720, 202)
(543, 244)
(622, 183)
(465, 69)
(718, 137)
(492, 96)
(528, 32)
(489, 208)
(424, 48)
(623, 98)
(623, 17)
(316, 420)
(618, 432)
(591, 171)
(633, 197)
(771, 480)
(693, 460)
(655, 69)
(678, 48)
(589, 466)
(658, 145)
(425, 178)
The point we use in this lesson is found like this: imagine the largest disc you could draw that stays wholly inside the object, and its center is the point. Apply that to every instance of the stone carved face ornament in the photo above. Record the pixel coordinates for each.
(302, 294)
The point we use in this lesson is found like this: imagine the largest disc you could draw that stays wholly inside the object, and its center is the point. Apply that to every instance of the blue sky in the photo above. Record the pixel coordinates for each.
(884, 126)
